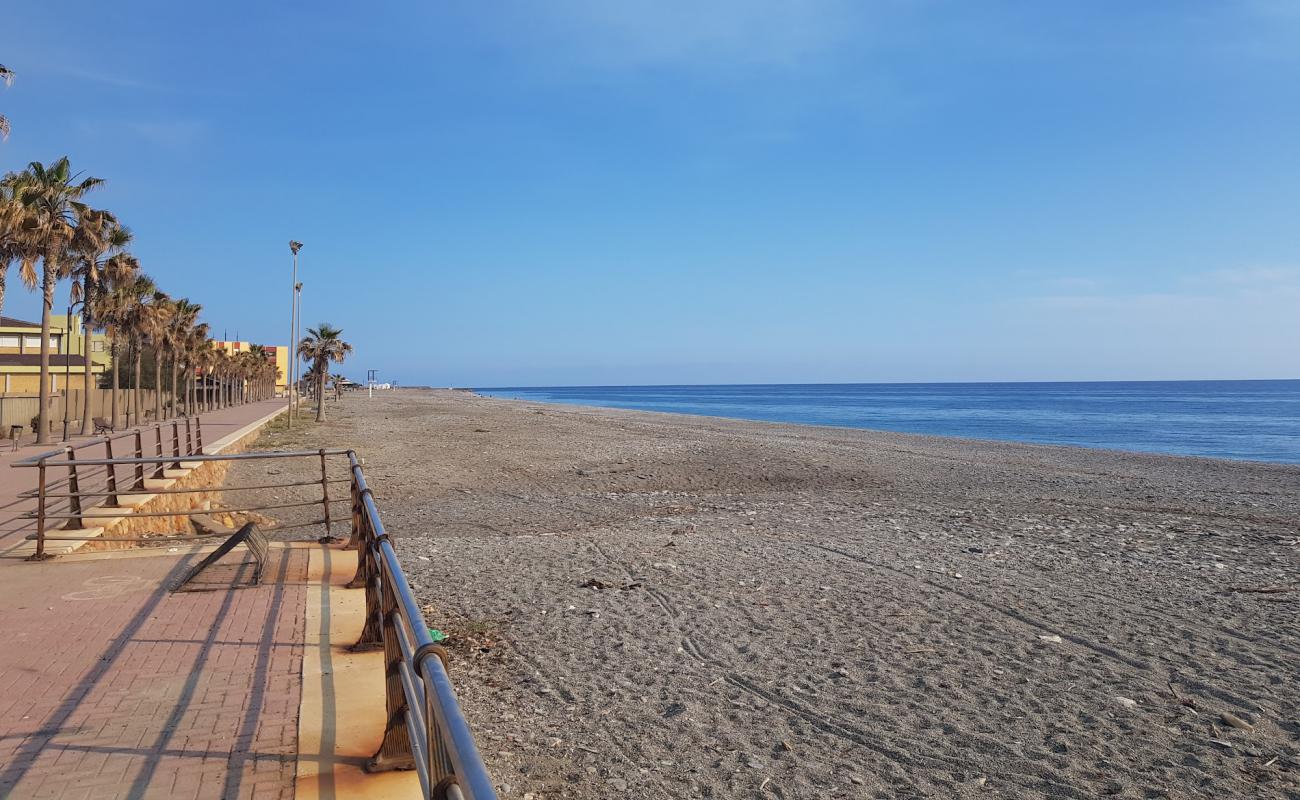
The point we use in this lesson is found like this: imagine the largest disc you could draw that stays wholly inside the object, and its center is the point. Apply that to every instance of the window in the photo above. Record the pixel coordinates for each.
(33, 343)
(96, 346)
(8, 340)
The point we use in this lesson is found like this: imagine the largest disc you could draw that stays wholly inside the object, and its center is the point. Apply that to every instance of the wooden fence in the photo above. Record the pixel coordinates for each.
(20, 409)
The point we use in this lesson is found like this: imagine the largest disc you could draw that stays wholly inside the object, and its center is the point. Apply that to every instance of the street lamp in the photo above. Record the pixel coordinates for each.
(295, 287)
(297, 336)
(67, 364)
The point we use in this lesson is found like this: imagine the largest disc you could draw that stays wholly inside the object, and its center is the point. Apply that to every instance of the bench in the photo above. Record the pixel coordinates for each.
(102, 425)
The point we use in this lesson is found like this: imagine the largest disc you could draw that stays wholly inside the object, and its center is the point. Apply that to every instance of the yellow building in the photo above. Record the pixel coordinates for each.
(20, 358)
(100, 353)
(277, 353)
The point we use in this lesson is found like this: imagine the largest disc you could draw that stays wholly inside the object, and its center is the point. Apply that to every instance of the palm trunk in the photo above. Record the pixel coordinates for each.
(320, 395)
(85, 383)
(88, 302)
(157, 384)
(43, 435)
(138, 362)
(175, 404)
(117, 380)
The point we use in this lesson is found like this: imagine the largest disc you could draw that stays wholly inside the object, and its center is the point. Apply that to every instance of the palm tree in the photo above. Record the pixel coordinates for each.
(196, 346)
(220, 365)
(183, 316)
(157, 324)
(261, 361)
(116, 308)
(125, 310)
(50, 200)
(11, 246)
(99, 244)
(7, 78)
(322, 345)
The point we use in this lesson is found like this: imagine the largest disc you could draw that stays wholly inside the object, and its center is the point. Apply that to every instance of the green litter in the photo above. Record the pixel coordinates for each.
(436, 635)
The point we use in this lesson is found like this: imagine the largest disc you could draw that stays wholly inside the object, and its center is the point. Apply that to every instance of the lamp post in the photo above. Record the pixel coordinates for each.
(295, 287)
(297, 337)
(67, 363)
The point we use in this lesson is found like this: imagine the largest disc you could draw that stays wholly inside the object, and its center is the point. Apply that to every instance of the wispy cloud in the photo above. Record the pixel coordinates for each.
(685, 33)
(172, 134)
(1254, 277)
(106, 79)
(1204, 291)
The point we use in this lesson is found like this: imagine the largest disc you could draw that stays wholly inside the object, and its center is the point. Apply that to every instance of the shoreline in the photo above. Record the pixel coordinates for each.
(645, 604)
(884, 432)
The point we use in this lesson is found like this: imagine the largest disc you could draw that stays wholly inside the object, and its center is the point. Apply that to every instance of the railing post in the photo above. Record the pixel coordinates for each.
(40, 513)
(189, 438)
(365, 538)
(112, 472)
(139, 466)
(176, 443)
(395, 751)
(369, 578)
(161, 470)
(354, 536)
(198, 435)
(74, 489)
(325, 497)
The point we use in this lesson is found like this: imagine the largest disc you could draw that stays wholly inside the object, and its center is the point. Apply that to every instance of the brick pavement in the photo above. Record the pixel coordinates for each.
(112, 686)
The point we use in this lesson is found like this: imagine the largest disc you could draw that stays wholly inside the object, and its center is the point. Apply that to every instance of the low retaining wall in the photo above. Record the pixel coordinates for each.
(121, 523)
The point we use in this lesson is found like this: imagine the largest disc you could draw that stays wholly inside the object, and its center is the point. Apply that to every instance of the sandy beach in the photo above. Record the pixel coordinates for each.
(651, 605)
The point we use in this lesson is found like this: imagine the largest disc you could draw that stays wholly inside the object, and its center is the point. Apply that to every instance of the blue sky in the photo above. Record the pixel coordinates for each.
(661, 191)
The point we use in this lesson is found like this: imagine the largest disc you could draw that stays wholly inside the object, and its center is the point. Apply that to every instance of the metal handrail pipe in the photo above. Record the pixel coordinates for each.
(415, 691)
(141, 492)
(31, 537)
(405, 599)
(187, 512)
(196, 458)
(81, 475)
(32, 459)
(98, 440)
(417, 749)
(465, 758)
(431, 687)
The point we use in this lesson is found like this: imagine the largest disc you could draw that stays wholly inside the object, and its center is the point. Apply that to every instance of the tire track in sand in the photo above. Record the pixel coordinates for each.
(828, 724)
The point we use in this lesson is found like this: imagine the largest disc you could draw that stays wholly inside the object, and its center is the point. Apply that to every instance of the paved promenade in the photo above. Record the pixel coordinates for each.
(112, 686)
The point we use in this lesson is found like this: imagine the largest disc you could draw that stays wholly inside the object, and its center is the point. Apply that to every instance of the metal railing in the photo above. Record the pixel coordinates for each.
(79, 483)
(425, 729)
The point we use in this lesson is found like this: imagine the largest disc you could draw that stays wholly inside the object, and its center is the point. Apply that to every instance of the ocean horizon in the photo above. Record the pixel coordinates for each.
(1254, 420)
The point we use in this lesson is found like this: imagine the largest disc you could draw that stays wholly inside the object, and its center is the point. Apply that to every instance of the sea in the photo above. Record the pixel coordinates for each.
(1246, 420)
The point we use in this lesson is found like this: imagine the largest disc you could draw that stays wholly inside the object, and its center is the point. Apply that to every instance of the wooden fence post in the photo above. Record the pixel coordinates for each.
(112, 472)
(161, 470)
(139, 466)
(74, 489)
(325, 496)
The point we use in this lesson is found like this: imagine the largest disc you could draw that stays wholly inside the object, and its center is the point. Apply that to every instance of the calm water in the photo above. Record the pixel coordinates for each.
(1257, 420)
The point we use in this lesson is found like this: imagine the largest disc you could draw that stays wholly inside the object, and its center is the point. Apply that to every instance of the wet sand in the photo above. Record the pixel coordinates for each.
(653, 605)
